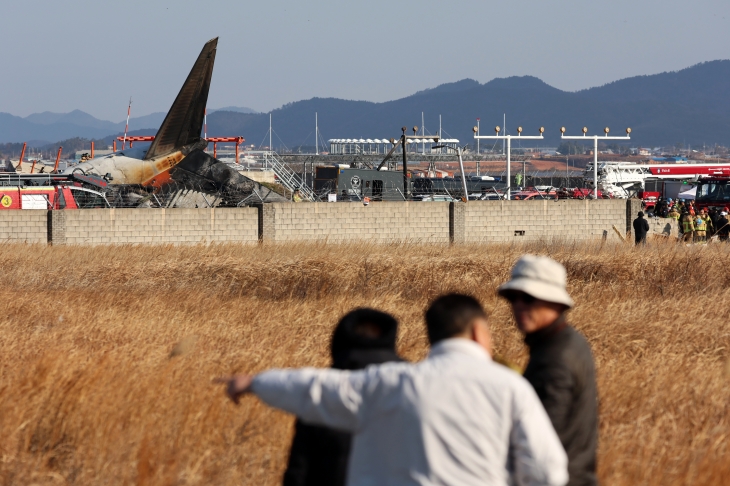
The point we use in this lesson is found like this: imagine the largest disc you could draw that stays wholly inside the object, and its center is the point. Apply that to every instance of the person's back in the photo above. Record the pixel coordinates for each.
(562, 372)
(455, 418)
(688, 226)
(475, 426)
(723, 226)
(319, 455)
(561, 368)
(641, 228)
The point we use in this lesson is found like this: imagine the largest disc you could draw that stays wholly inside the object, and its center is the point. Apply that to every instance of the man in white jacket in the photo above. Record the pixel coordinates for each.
(456, 418)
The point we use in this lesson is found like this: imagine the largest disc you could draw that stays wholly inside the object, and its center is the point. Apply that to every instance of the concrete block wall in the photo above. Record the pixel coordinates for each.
(663, 227)
(512, 221)
(24, 226)
(339, 222)
(477, 221)
(178, 226)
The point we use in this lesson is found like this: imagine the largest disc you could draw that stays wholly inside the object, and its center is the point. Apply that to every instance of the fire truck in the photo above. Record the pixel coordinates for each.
(52, 191)
(624, 179)
(713, 192)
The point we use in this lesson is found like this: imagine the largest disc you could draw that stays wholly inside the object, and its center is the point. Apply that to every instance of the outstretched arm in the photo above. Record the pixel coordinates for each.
(318, 396)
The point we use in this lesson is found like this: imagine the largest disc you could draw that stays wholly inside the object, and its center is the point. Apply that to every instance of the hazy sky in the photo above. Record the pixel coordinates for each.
(92, 55)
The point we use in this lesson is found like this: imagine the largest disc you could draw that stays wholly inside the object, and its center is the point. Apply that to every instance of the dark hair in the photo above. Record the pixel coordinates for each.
(451, 315)
(641, 213)
(363, 329)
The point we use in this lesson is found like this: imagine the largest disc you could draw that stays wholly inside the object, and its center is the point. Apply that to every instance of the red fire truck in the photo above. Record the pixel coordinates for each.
(51, 191)
(713, 192)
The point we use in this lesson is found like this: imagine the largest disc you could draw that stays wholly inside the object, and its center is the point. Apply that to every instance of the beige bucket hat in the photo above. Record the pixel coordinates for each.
(539, 276)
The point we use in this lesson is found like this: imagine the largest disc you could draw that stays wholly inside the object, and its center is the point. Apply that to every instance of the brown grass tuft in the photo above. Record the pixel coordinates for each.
(108, 352)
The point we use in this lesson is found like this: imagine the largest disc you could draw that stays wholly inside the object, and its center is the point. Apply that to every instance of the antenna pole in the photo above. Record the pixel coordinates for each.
(126, 127)
(316, 134)
(423, 134)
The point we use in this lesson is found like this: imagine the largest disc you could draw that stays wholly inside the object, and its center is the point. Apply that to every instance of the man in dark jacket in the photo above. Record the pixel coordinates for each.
(641, 228)
(319, 455)
(561, 368)
(723, 226)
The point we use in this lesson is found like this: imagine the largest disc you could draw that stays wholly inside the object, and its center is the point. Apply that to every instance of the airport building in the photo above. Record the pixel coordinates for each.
(342, 146)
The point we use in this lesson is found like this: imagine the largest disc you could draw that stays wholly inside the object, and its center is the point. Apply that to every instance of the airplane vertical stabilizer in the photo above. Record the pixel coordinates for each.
(184, 121)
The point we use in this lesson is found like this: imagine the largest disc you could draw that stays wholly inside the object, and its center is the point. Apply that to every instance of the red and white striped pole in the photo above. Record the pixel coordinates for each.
(126, 127)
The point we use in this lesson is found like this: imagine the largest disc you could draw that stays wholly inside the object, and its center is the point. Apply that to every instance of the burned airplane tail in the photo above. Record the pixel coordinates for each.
(184, 121)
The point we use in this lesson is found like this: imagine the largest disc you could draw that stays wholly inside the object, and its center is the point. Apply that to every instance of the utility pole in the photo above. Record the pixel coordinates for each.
(271, 144)
(316, 134)
(595, 149)
(404, 141)
(423, 134)
(404, 144)
(508, 139)
(524, 173)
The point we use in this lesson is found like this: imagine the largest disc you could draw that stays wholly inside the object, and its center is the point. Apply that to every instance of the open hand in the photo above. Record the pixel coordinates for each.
(236, 385)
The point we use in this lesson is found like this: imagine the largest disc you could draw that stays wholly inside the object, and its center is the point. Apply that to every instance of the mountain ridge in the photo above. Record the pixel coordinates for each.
(691, 105)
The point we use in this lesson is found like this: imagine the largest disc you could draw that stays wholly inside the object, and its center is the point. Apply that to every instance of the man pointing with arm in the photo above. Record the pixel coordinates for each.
(455, 418)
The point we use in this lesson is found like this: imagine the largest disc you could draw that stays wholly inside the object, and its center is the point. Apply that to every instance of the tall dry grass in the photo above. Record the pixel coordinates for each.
(108, 352)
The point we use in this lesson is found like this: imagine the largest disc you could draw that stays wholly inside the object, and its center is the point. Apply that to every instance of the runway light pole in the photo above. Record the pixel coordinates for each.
(478, 119)
(508, 138)
(595, 149)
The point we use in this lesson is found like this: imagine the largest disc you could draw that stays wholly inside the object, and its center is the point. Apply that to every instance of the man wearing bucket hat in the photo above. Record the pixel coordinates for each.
(561, 365)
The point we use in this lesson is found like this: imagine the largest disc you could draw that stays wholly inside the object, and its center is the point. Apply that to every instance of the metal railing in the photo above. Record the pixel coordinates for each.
(288, 177)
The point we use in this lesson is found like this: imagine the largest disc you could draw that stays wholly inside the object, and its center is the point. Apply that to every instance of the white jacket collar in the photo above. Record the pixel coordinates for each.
(459, 346)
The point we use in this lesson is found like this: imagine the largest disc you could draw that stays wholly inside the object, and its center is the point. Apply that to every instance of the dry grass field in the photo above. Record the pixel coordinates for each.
(108, 353)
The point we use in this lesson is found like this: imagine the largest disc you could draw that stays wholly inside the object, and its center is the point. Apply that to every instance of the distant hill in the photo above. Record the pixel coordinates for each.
(48, 126)
(703, 86)
(76, 118)
(690, 106)
(237, 109)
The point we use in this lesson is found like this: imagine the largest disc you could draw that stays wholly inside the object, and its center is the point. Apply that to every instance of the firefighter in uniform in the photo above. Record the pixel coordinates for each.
(700, 229)
(688, 226)
(674, 214)
(709, 227)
